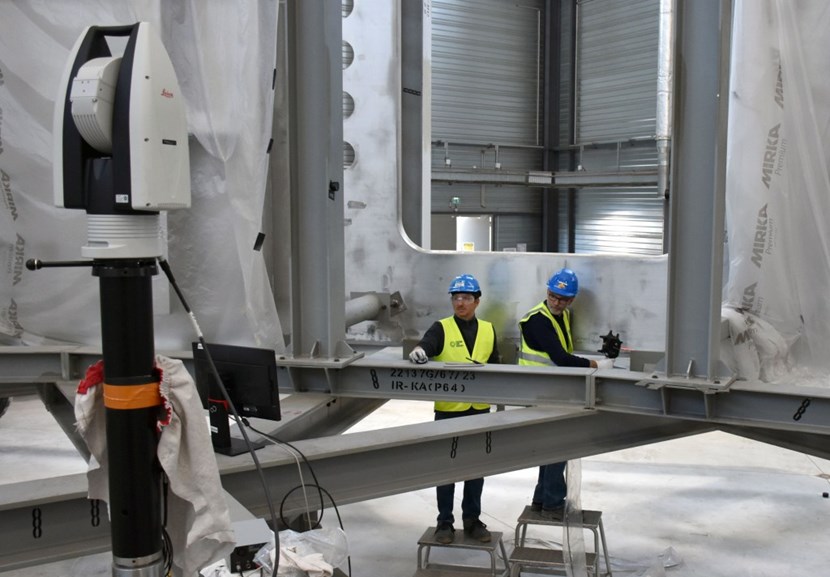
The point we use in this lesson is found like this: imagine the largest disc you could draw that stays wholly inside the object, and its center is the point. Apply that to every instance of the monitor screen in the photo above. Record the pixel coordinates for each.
(250, 377)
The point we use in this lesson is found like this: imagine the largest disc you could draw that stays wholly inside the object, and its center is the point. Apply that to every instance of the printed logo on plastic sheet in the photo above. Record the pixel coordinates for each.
(748, 300)
(8, 197)
(9, 322)
(16, 262)
(773, 155)
(762, 229)
(779, 89)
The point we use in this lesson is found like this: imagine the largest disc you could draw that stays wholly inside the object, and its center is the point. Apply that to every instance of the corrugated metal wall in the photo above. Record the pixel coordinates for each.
(616, 87)
(616, 69)
(486, 91)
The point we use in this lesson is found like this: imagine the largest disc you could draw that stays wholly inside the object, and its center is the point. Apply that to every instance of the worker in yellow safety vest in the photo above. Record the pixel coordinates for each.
(547, 341)
(461, 338)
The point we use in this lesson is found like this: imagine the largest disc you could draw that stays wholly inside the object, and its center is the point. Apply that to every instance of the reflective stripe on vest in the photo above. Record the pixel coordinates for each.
(455, 351)
(529, 356)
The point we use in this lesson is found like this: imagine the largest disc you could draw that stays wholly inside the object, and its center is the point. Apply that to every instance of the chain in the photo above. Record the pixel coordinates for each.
(489, 442)
(454, 448)
(375, 383)
(798, 414)
(37, 529)
(95, 512)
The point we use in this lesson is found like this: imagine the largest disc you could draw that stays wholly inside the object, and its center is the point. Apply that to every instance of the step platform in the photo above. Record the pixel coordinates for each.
(545, 561)
(493, 549)
(530, 556)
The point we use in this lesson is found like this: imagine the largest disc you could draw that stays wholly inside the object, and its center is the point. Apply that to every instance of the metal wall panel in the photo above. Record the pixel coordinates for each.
(485, 71)
(486, 90)
(616, 98)
(619, 220)
(616, 69)
(511, 230)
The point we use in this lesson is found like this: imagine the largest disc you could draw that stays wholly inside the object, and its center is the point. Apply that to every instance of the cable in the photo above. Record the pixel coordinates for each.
(169, 273)
(294, 454)
(334, 506)
(167, 544)
(320, 489)
(305, 460)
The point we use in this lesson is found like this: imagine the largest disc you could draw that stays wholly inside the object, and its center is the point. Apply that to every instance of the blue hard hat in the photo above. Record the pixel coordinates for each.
(564, 283)
(465, 283)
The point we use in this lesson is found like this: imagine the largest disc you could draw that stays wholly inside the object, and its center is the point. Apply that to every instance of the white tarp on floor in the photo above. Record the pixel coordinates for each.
(224, 54)
(778, 190)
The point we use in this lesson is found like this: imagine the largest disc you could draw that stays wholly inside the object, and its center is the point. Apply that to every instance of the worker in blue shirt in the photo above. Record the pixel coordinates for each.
(461, 338)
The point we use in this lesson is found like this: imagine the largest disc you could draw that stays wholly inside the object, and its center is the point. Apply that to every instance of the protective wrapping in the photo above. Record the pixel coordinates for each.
(224, 54)
(777, 198)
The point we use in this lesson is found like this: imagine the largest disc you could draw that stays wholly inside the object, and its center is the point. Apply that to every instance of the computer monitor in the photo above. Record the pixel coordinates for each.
(250, 378)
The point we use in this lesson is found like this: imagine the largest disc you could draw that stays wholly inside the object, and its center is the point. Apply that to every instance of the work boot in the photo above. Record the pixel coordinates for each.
(555, 514)
(477, 530)
(444, 533)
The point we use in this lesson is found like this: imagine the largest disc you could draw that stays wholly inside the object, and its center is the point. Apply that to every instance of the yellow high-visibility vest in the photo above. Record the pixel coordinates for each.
(529, 356)
(455, 351)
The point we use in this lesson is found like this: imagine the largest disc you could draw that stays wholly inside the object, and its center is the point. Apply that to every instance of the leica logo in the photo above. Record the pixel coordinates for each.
(166, 93)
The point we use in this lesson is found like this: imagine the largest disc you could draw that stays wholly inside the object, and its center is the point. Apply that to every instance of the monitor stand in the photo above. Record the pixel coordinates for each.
(220, 432)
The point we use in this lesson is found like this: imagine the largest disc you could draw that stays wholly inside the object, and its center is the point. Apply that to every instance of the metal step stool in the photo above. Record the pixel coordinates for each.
(548, 561)
(462, 541)
(553, 559)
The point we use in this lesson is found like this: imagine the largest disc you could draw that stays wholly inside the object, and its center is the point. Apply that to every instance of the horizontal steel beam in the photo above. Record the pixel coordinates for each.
(585, 179)
(51, 519)
(386, 375)
(367, 465)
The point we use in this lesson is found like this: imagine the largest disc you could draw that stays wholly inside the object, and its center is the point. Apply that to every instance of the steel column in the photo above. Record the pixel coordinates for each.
(697, 190)
(316, 136)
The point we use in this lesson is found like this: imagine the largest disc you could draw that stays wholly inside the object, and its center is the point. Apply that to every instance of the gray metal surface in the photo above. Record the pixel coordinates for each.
(315, 35)
(627, 294)
(698, 190)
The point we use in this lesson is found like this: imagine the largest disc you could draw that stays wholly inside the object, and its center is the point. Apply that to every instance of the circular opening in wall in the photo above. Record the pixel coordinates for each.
(348, 104)
(347, 7)
(348, 155)
(348, 55)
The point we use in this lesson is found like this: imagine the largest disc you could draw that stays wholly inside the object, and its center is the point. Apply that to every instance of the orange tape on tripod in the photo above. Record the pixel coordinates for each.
(132, 396)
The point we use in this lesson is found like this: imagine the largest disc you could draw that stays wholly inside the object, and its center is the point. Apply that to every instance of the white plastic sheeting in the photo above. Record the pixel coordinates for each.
(224, 54)
(778, 190)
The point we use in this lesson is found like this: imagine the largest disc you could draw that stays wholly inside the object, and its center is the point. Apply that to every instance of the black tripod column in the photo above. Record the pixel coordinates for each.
(132, 401)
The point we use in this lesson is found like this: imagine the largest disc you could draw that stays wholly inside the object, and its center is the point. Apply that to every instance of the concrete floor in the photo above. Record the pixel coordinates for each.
(714, 505)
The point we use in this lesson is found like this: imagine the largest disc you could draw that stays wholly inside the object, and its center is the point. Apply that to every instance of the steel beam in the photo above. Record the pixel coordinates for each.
(799, 441)
(698, 190)
(386, 375)
(316, 133)
(362, 466)
(538, 179)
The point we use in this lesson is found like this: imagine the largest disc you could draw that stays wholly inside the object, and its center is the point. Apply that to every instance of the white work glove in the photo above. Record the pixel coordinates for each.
(418, 355)
(605, 364)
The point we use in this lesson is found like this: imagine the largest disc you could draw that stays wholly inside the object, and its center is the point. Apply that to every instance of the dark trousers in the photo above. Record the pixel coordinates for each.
(551, 488)
(471, 502)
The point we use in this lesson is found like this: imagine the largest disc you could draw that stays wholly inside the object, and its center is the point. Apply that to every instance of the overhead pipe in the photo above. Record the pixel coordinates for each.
(665, 89)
